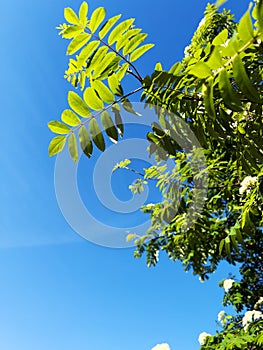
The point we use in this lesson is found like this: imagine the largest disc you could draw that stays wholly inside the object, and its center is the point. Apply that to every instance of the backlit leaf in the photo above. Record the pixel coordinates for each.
(92, 99)
(97, 18)
(108, 25)
(85, 141)
(58, 127)
(109, 126)
(56, 145)
(201, 70)
(71, 16)
(104, 92)
(119, 30)
(78, 105)
(96, 134)
(77, 43)
(72, 147)
(140, 51)
(83, 12)
(70, 118)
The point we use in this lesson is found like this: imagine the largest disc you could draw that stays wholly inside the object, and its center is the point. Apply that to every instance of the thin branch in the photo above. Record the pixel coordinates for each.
(106, 108)
(137, 75)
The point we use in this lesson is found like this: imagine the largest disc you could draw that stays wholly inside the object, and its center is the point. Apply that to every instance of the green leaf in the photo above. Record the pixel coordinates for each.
(56, 145)
(230, 98)
(115, 85)
(97, 18)
(70, 118)
(58, 127)
(200, 70)
(72, 32)
(77, 43)
(259, 15)
(72, 147)
(133, 43)
(83, 12)
(118, 120)
(70, 16)
(85, 141)
(221, 246)
(98, 57)
(104, 92)
(245, 27)
(109, 127)
(96, 134)
(87, 51)
(108, 25)
(103, 64)
(130, 237)
(221, 38)
(241, 129)
(207, 91)
(215, 60)
(140, 51)
(159, 67)
(227, 247)
(119, 30)
(123, 39)
(92, 99)
(78, 105)
(243, 81)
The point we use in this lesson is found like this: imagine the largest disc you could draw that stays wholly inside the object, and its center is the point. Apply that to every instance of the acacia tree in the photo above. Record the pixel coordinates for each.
(217, 91)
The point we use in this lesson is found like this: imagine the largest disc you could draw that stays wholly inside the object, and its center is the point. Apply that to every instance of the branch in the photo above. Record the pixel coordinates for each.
(137, 75)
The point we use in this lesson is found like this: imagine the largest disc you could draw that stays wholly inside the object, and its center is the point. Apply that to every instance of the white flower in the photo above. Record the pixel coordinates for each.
(247, 183)
(202, 337)
(201, 23)
(163, 346)
(228, 284)
(259, 302)
(221, 315)
(186, 51)
(249, 317)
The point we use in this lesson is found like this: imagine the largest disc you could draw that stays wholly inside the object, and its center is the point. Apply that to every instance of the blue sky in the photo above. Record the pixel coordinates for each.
(59, 291)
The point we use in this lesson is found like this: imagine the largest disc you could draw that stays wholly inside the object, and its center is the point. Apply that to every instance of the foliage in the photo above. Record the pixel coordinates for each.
(217, 91)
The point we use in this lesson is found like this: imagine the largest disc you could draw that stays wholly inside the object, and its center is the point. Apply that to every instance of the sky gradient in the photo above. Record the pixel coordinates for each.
(59, 291)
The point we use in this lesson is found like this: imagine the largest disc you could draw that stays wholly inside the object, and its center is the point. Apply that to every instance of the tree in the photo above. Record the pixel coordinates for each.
(216, 90)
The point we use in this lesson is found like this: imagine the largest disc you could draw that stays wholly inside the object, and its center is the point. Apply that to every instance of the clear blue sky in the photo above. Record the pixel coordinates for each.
(59, 291)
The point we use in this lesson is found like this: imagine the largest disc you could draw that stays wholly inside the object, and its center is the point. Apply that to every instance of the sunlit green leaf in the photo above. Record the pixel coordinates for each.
(72, 32)
(114, 85)
(133, 43)
(58, 127)
(243, 81)
(83, 12)
(77, 43)
(56, 145)
(97, 18)
(201, 70)
(245, 27)
(71, 16)
(78, 105)
(92, 99)
(119, 30)
(72, 147)
(108, 25)
(104, 92)
(231, 99)
(140, 51)
(70, 118)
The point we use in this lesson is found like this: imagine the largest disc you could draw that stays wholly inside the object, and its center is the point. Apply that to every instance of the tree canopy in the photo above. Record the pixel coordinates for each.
(216, 90)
